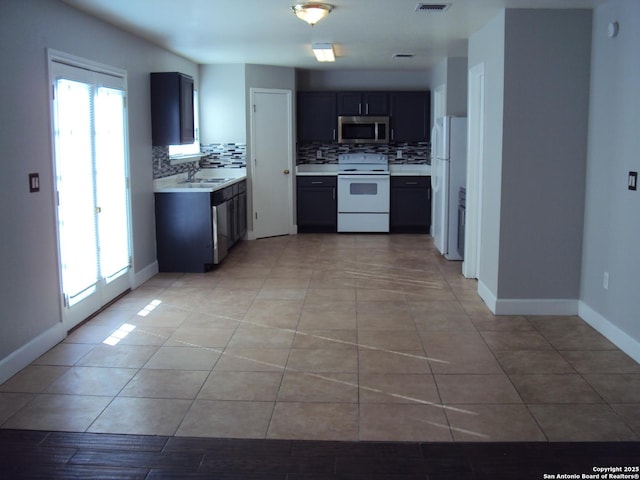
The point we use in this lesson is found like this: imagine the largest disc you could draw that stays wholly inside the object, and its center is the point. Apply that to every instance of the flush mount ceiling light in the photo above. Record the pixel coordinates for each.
(312, 12)
(324, 52)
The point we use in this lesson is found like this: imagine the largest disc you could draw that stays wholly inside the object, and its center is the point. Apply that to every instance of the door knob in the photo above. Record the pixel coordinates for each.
(286, 172)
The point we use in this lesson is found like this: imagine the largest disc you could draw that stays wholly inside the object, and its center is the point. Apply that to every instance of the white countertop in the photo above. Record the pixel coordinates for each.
(413, 170)
(332, 169)
(317, 169)
(175, 183)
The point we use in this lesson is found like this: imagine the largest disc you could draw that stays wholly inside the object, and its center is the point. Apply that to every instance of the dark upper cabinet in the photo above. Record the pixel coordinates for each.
(363, 103)
(410, 204)
(172, 120)
(316, 117)
(410, 116)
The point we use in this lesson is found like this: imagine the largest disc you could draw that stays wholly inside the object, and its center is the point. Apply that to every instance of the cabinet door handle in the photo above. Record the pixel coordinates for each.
(334, 133)
(367, 109)
(333, 192)
(317, 183)
(359, 109)
(411, 183)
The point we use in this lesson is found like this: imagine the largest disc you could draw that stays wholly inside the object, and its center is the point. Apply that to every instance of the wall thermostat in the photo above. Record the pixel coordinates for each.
(613, 29)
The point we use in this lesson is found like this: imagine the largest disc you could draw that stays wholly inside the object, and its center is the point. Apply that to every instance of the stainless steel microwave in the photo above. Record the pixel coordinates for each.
(363, 129)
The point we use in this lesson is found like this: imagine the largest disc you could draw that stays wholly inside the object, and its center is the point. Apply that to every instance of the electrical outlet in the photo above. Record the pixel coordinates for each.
(605, 281)
(318, 154)
(399, 154)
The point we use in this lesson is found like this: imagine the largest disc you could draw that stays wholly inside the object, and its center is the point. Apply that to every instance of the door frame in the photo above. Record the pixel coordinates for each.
(106, 293)
(475, 168)
(252, 164)
(439, 102)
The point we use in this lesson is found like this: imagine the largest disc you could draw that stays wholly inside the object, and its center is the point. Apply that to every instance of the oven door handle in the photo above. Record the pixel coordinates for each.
(368, 176)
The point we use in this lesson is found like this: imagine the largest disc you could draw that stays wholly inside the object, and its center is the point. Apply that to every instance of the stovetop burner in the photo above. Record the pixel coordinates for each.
(363, 163)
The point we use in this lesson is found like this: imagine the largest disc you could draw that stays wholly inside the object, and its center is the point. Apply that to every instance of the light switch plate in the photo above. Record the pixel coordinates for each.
(34, 182)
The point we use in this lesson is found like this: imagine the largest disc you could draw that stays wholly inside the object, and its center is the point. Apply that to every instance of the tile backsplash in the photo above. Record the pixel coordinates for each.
(216, 155)
(235, 155)
(318, 152)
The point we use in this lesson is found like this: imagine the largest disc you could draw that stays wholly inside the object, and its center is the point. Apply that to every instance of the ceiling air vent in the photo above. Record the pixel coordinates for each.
(432, 7)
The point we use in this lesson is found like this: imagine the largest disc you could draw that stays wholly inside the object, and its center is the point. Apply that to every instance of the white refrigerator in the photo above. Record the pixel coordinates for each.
(448, 174)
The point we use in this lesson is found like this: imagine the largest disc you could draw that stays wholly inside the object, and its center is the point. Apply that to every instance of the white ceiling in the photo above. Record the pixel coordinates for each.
(365, 33)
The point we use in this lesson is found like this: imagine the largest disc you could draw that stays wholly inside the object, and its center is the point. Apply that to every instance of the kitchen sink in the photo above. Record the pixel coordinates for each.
(205, 181)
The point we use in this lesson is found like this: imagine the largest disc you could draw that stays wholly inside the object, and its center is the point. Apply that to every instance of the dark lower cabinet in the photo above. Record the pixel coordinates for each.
(185, 230)
(410, 204)
(316, 203)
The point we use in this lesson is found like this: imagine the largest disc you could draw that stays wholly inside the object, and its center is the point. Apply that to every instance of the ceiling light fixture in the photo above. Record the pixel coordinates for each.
(324, 52)
(311, 12)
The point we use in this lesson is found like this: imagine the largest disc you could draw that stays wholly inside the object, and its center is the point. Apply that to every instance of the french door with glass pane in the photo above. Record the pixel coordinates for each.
(91, 167)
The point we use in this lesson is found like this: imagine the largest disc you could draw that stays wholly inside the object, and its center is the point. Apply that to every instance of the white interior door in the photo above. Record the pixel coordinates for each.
(272, 162)
(475, 148)
(91, 165)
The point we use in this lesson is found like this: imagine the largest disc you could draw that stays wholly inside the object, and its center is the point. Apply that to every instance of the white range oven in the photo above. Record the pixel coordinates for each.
(363, 192)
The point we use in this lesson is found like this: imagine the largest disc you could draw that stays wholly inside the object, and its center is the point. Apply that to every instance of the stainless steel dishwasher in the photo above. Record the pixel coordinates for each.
(222, 201)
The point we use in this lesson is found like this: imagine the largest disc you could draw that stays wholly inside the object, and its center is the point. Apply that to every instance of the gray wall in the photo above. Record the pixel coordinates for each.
(361, 80)
(225, 102)
(223, 105)
(457, 75)
(29, 287)
(612, 218)
(546, 108)
(487, 47)
(537, 97)
(452, 72)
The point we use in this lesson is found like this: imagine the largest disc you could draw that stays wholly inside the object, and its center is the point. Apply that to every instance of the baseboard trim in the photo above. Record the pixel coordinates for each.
(537, 306)
(620, 339)
(145, 274)
(527, 306)
(487, 296)
(26, 354)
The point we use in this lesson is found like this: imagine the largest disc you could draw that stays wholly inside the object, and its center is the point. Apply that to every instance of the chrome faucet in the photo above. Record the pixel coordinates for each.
(191, 173)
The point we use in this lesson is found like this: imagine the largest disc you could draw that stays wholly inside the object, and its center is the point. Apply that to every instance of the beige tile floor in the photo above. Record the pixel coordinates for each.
(332, 337)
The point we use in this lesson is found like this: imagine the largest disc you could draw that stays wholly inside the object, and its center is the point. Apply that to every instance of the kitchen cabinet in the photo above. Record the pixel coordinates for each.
(184, 226)
(183, 231)
(172, 120)
(316, 117)
(410, 204)
(410, 116)
(317, 207)
(363, 103)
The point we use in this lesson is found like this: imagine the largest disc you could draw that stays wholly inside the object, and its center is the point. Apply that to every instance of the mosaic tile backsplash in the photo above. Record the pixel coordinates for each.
(216, 155)
(235, 155)
(317, 152)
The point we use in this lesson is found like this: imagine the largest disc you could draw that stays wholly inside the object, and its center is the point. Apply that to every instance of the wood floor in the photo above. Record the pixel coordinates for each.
(30, 454)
